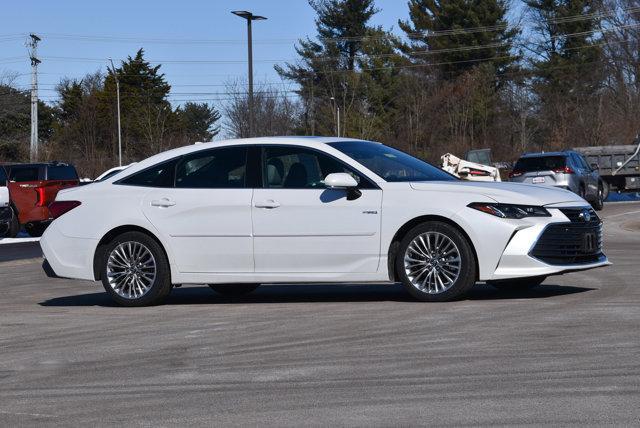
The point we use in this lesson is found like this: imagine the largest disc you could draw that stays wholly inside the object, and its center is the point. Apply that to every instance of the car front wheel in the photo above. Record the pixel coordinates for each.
(435, 262)
(135, 270)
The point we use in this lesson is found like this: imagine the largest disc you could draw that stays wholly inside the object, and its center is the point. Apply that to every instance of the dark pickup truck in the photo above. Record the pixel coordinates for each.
(32, 187)
(618, 166)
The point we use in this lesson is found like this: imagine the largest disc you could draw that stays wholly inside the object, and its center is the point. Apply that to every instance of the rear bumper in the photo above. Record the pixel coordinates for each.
(48, 270)
(68, 257)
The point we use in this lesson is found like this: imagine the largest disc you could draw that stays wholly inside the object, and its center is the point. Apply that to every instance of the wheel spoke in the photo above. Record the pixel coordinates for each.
(131, 269)
(432, 262)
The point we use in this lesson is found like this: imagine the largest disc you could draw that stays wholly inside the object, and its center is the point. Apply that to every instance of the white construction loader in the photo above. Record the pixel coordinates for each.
(468, 170)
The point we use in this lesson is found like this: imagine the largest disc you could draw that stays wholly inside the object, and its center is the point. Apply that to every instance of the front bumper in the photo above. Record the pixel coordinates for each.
(519, 258)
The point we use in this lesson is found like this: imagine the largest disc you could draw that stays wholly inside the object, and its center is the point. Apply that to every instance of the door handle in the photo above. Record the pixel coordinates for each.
(164, 203)
(269, 203)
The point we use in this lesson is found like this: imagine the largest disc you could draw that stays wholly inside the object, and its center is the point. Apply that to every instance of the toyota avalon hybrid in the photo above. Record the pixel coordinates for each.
(238, 213)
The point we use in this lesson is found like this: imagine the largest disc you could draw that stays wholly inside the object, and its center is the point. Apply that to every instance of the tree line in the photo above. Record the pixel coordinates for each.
(460, 74)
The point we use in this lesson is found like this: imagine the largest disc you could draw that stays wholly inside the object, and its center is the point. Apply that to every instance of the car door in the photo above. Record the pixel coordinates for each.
(591, 177)
(206, 213)
(301, 226)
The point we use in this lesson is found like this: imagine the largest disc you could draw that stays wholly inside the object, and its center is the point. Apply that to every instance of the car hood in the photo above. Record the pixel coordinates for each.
(506, 193)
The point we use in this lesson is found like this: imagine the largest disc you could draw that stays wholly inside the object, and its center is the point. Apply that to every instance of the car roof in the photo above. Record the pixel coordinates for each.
(290, 139)
(305, 141)
(38, 164)
(545, 154)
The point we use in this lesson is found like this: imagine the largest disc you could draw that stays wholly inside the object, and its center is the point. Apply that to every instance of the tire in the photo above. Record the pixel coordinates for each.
(148, 282)
(233, 290)
(14, 225)
(36, 230)
(605, 190)
(433, 279)
(598, 203)
(517, 283)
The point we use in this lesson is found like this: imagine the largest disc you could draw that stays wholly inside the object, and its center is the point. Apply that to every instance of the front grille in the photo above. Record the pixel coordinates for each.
(577, 242)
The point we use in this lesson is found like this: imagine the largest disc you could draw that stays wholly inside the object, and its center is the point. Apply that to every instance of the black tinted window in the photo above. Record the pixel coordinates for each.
(391, 164)
(62, 172)
(540, 163)
(20, 174)
(3, 177)
(223, 168)
(291, 167)
(160, 175)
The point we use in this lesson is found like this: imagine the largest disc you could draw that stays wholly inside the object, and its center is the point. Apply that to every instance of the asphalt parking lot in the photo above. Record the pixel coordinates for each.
(565, 353)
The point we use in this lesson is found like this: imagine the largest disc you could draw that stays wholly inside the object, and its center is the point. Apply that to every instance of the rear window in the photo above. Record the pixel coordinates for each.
(542, 163)
(62, 172)
(161, 175)
(20, 174)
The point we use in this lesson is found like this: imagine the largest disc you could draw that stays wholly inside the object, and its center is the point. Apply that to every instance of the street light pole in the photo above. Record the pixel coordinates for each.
(250, 17)
(115, 76)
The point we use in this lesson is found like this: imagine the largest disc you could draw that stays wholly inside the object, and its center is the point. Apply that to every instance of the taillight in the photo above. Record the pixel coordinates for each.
(564, 169)
(40, 196)
(515, 174)
(58, 208)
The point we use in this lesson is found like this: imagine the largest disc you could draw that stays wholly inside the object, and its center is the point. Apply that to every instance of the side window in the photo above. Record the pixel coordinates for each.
(3, 177)
(160, 175)
(22, 174)
(223, 168)
(291, 167)
(583, 162)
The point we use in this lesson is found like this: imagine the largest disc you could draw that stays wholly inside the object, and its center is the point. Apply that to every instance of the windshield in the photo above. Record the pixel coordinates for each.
(391, 164)
(540, 163)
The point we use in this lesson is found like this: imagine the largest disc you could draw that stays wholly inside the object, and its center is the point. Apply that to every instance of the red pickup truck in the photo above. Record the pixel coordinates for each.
(32, 187)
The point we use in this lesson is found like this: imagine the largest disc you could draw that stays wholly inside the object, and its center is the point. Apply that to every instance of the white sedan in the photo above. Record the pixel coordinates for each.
(237, 213)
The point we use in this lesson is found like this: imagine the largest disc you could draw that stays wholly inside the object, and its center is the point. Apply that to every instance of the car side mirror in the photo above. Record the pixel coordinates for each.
(342, 180)
(595, 166)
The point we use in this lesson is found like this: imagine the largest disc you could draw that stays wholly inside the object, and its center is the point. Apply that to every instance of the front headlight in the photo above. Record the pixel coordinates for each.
(510, 211)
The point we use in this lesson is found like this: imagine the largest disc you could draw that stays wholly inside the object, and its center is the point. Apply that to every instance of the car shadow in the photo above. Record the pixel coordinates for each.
(317, 293)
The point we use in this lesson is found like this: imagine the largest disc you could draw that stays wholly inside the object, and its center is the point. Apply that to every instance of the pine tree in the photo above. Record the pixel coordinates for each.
(568, 47)
(335, 69)
(145, 109)
(567, 70)
(458, 35)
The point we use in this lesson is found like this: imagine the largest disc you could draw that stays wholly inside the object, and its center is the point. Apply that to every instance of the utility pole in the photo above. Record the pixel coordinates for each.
(250, 17)
(115, 76)
(32, 45)
(337, 116)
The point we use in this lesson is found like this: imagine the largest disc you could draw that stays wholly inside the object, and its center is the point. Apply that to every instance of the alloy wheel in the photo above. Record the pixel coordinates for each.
(131, 270)
(432, 262)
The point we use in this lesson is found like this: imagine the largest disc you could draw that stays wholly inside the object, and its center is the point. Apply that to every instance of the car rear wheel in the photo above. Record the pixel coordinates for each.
(233, 290)
(135, 270)
(517, 283)
(435, 262)
(14, 224)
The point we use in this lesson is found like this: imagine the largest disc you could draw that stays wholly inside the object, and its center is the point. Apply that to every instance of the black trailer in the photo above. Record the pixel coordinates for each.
(619, 166)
